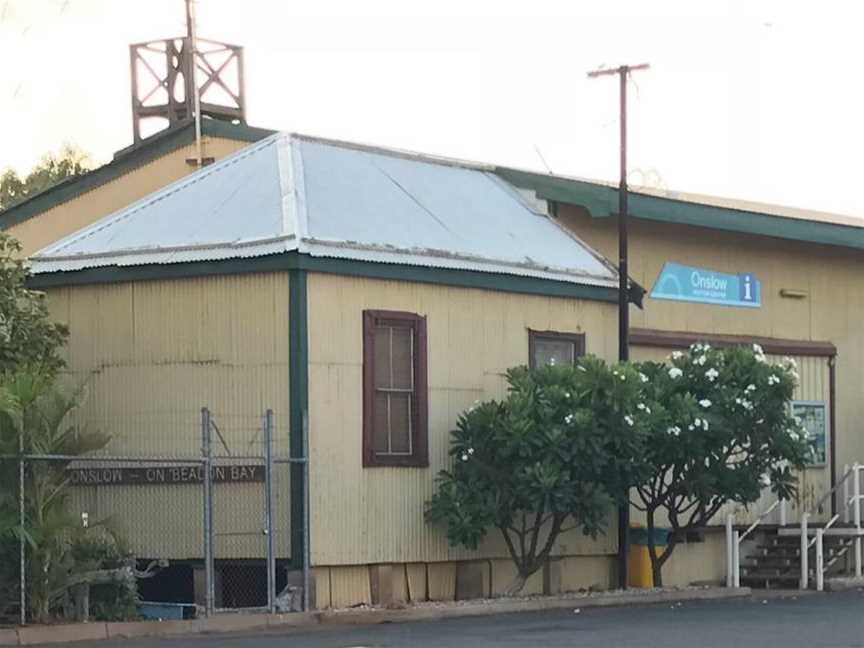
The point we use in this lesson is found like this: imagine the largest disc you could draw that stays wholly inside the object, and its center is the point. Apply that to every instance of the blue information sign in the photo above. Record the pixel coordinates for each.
(686, 283)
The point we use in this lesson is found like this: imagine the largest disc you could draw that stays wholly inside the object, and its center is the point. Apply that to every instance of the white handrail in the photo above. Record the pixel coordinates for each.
(759, 520)
(734, 540)
(853, 500)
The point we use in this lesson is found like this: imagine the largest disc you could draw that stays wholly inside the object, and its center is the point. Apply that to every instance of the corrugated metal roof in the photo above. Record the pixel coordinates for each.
(332, 199)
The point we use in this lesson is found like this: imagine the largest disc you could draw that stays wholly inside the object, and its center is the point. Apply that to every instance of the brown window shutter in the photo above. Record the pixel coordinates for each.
(395, 389)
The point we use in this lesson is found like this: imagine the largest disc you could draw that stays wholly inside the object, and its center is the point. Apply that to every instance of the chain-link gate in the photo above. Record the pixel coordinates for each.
(249, 512)
(210, 529)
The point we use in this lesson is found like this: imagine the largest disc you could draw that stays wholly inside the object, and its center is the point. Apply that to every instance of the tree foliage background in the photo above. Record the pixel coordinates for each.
(69, 162)
(28, 336)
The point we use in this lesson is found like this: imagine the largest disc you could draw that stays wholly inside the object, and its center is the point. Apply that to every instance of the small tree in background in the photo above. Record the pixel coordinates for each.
(554, 455)
(52, 169)
(719, 429)
(27, 334)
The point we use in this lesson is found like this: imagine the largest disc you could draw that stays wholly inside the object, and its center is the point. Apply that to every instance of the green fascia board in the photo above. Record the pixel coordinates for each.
(598, 199)
(346, 267)
(602, 201)
(298, 407)
(126, 160)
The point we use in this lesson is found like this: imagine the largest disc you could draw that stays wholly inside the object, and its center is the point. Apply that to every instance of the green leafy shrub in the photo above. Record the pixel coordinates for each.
(555, 454)
(719, 429)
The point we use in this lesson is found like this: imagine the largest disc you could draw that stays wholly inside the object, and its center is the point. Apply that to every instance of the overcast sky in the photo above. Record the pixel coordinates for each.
(757, 99)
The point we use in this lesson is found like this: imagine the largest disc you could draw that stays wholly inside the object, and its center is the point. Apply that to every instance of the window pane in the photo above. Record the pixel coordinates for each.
(552, 351)
(380, 421)
(403, 374)
(400, 423)
(382, 356)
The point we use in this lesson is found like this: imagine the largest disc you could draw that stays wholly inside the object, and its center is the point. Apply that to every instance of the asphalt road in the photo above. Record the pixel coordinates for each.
(830, 620)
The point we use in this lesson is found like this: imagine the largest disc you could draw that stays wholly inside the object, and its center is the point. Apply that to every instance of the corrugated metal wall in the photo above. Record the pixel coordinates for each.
(150, 355)
(368, 515)
(830, 277)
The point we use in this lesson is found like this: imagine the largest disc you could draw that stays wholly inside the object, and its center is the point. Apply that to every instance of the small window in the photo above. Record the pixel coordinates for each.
(552, 347)
(394, 389)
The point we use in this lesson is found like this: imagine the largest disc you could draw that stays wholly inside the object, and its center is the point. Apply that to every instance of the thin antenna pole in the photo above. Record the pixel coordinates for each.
(623, 73)
(193, 64)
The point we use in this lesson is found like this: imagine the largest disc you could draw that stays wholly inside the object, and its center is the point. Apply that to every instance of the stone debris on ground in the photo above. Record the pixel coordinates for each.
(577, 595)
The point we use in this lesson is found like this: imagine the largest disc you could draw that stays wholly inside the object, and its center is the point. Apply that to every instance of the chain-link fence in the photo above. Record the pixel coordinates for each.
(202, 529)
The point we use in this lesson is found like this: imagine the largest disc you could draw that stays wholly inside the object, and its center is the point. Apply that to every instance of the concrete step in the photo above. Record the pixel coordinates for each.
(760, 580)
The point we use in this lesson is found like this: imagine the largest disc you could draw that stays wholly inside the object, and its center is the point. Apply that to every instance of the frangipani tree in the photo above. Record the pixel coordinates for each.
(719, 429)
(555, 454)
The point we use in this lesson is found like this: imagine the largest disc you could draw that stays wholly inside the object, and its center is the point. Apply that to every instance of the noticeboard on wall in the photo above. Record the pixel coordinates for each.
(814, 419)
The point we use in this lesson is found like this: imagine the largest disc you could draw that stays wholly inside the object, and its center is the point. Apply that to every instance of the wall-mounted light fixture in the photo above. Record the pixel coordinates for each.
(792, 293)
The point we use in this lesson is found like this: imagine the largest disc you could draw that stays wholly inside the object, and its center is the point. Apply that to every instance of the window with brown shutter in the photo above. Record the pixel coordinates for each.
(394, 389)
(553, 347)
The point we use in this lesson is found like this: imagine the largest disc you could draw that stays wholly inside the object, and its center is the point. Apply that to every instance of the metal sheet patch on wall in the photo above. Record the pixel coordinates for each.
(687, 283)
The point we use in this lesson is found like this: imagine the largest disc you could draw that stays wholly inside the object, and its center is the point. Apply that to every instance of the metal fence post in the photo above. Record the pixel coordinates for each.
(268, 510)
(856, 512)
(820, 561)
(207, 453)
(22, 549)
(736, 561)
(805, 569)
(729, 552)
(307, 554)
(846, 494)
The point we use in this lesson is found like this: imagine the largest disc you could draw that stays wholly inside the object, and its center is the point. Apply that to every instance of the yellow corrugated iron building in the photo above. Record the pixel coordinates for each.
(194, 310)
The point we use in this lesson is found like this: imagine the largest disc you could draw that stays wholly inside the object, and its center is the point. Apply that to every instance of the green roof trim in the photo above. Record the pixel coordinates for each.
(346, 267)
(602, 201)
(298, 408)
(124, 161)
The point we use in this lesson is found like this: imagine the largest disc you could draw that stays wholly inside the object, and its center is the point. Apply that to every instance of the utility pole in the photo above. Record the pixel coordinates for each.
(623, 73)
(193, 64)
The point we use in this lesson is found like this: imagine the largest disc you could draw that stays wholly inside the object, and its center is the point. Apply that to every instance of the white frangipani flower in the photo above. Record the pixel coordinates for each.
(643, 377)
(568, 419)
(629, 420)
(464, 457)
(712, 374)
(470, 451)
(705, 403)
(677, 355)
(675, 372)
